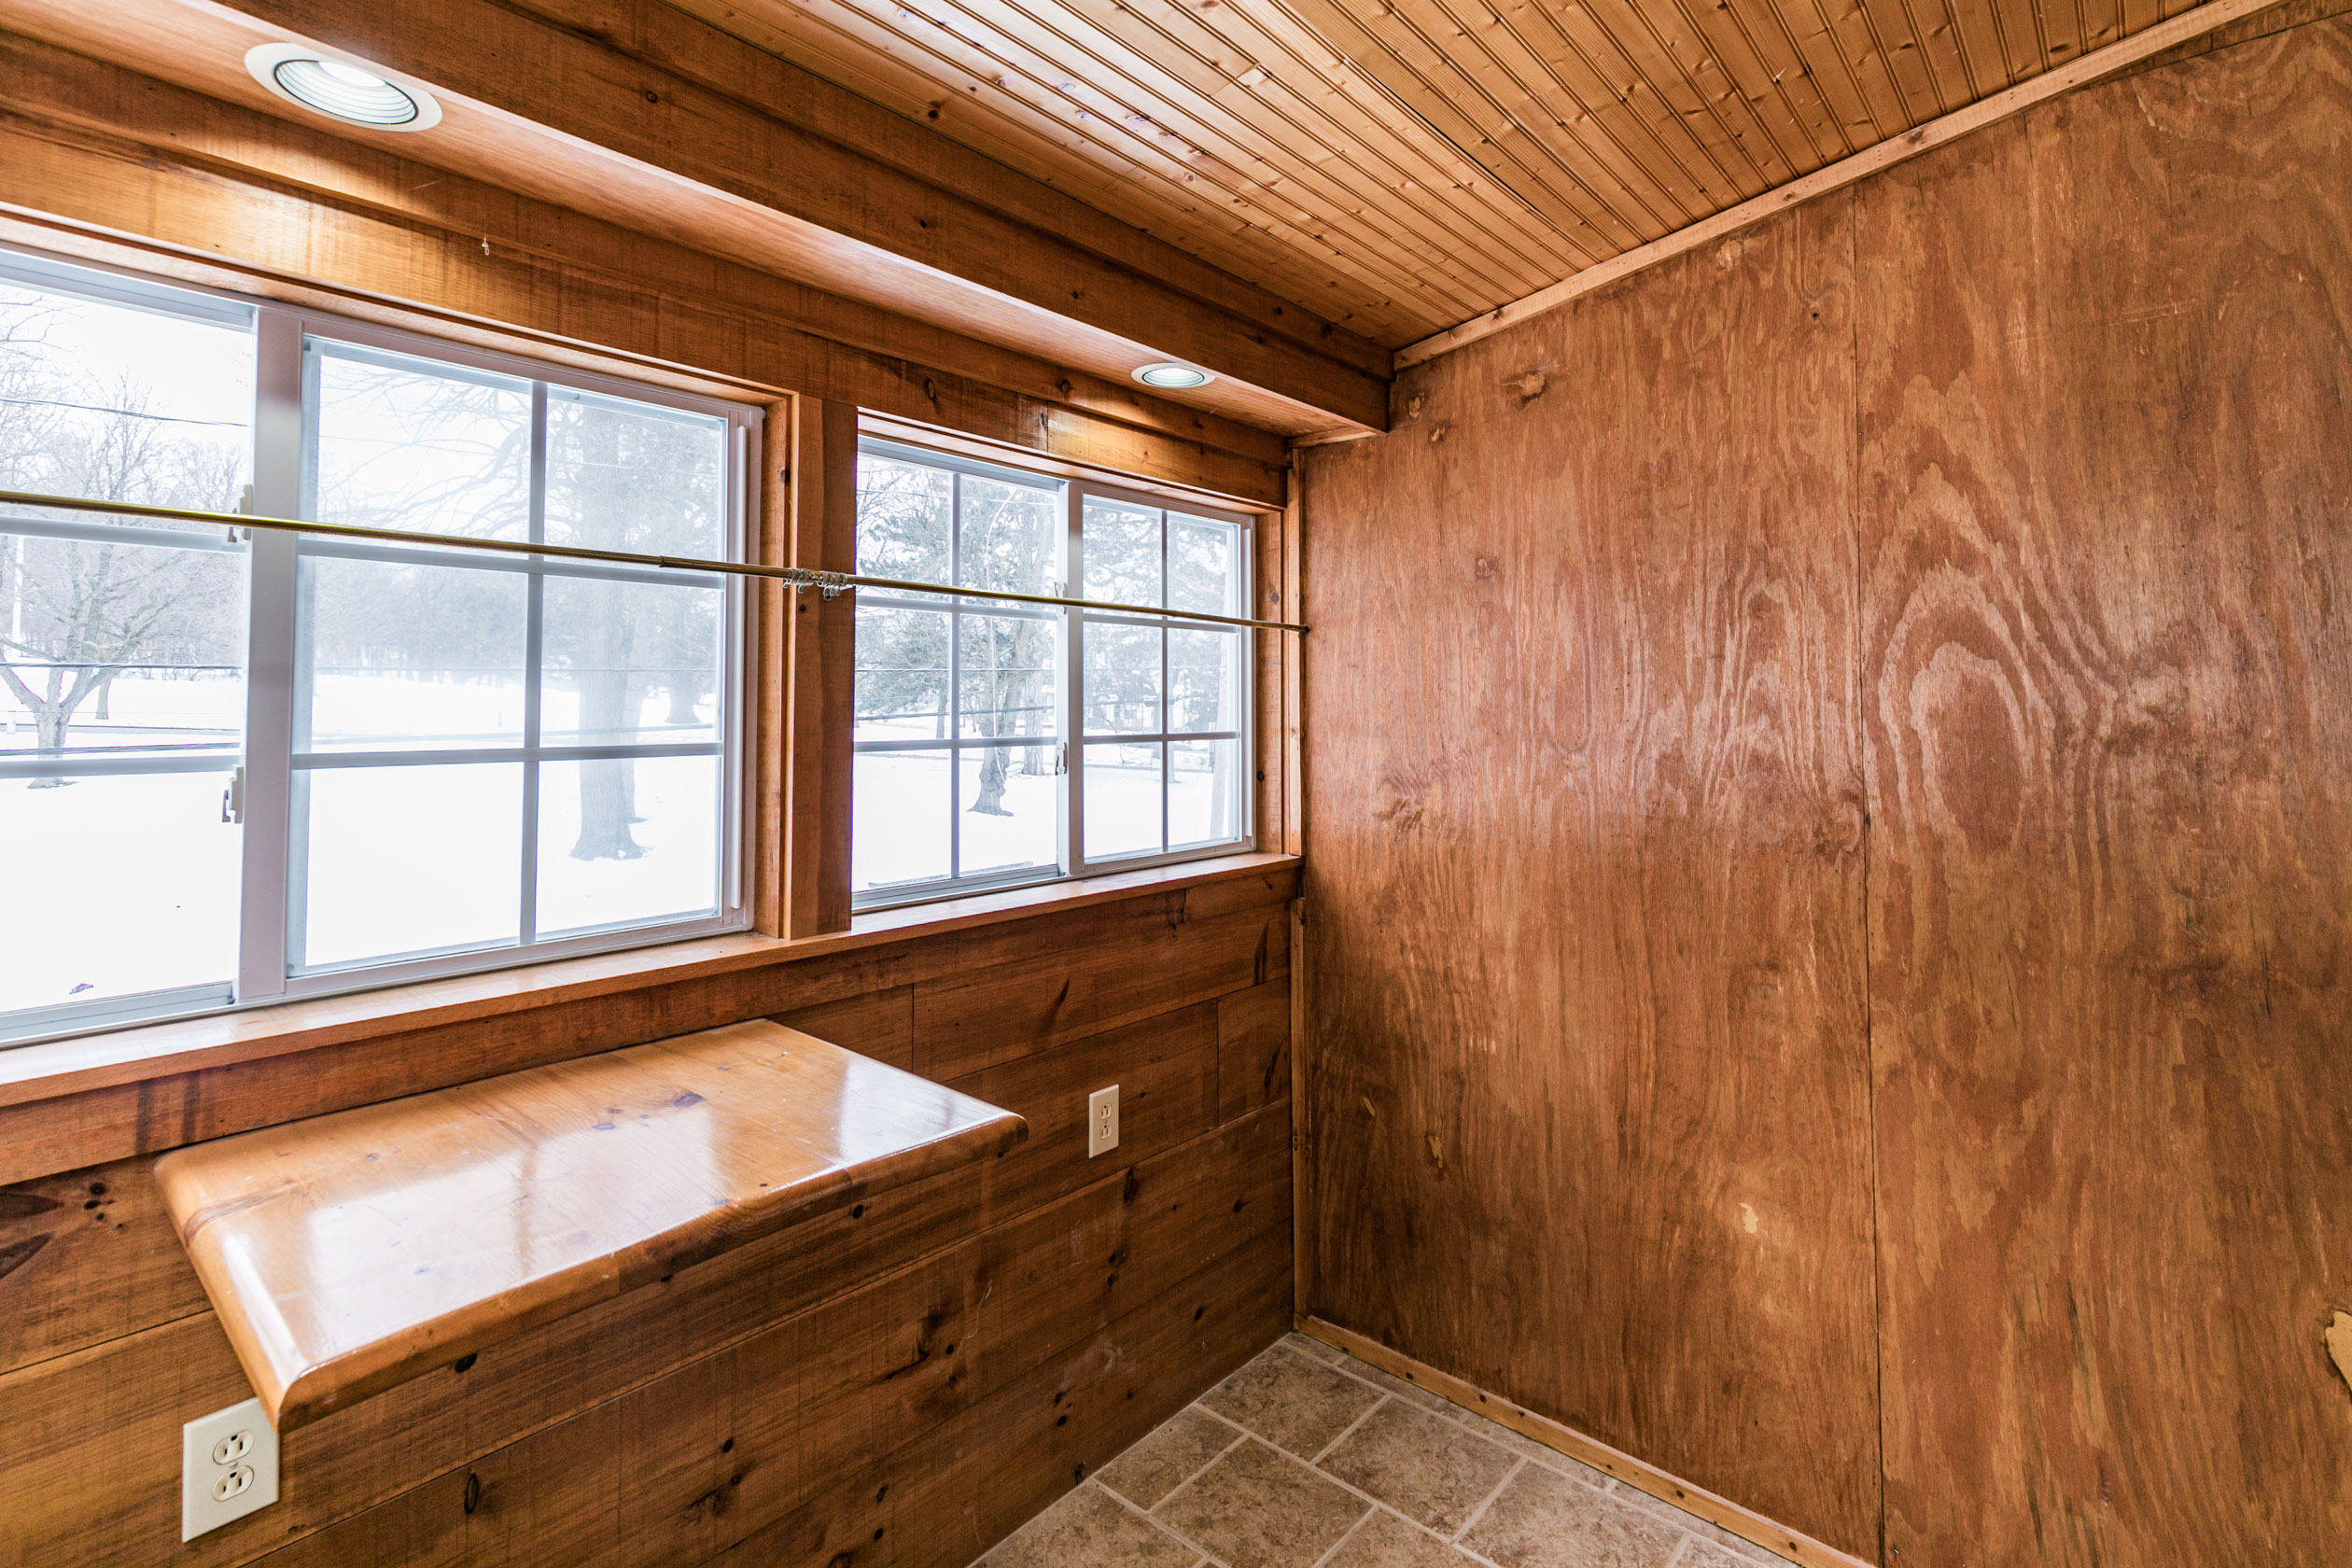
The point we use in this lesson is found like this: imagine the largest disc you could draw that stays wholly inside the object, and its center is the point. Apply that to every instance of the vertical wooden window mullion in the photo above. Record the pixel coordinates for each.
(954, 675)
(1167, 695)
(1073, 780)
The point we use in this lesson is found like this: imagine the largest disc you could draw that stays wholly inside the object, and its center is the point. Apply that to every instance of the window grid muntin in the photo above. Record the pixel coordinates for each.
(276, 467)
(1070, 698)
(532, 753)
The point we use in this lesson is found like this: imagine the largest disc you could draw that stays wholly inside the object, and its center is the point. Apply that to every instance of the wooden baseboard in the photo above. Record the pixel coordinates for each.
(1742, 1522)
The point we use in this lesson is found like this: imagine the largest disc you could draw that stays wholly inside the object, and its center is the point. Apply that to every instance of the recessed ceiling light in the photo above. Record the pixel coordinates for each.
(348, 92)
(1173, 378)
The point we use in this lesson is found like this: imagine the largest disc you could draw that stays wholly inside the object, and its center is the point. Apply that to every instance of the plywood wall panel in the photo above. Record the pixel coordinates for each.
(1583, 905)
(1594, 891)
(2105, 378)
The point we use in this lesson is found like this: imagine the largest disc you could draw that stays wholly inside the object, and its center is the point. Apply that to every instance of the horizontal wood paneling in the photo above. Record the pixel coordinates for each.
(826, 1351)
(1167, 1071)
(1970, 622)
(2106, 399)
(1208, 939)
(1254, 1047)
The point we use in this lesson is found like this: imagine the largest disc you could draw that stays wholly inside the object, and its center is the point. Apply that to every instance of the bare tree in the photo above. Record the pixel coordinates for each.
(81, 611)
(626, 479)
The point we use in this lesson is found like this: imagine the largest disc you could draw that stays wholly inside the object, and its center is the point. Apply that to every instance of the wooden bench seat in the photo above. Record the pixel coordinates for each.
(349, 1252)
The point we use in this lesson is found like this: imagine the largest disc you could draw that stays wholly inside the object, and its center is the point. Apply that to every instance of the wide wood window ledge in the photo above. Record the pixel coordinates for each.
(115, 1058)
(349, 1252)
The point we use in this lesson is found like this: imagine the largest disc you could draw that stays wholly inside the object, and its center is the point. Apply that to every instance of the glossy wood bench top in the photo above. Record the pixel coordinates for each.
(349, 1252)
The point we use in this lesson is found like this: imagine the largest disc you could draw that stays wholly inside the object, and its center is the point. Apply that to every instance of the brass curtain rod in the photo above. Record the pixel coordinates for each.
(829, 583)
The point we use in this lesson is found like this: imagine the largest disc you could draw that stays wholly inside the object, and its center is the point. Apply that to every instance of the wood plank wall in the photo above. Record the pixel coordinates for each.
(901, 1383)
(1832, 914)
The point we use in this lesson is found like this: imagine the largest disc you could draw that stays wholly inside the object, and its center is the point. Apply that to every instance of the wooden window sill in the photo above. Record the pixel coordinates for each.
(349, 1252)
(111, 1058)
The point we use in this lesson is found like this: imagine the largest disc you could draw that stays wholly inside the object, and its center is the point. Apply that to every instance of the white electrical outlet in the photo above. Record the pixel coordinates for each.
(1103, 1121)
(229, 1466)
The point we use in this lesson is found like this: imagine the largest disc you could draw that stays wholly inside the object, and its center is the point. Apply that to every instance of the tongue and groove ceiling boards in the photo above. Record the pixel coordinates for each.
(1402, 168)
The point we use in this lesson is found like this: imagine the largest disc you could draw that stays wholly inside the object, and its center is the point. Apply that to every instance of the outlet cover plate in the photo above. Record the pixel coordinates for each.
(229, 1468)
(1103, 1121)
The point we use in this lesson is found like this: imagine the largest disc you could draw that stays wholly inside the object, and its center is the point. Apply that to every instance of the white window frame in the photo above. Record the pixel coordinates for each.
(1070, 681)
(266, 972)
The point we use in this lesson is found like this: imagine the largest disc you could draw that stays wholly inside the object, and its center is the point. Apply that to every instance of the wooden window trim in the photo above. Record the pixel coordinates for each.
(47, 1073)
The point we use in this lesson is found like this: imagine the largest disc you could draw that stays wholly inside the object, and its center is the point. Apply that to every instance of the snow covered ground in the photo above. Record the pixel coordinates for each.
(114, 886)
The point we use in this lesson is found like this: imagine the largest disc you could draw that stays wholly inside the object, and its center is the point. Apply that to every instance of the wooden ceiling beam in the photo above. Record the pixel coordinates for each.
(644, 116)
(664, 90)
(113, 166)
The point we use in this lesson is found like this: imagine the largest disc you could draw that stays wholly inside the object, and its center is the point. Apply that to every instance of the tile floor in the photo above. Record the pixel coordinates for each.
(1308, 1457)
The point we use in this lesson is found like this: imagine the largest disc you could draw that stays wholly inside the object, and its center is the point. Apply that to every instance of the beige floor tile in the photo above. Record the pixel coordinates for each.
(1290, 1401)
(1707, 1554)
(1527, 1447)
(1744, 1551)
(1091, 1529)
(1171, 1454)
(1385, 1541)
(1426, 1468)
(1412, 1394)
(1308, 1345)
(1258, 1508)
(1546, 1520)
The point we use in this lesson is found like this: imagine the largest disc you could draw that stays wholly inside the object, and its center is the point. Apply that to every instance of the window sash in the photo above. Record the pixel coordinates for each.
(286, 340)
(1070, 736)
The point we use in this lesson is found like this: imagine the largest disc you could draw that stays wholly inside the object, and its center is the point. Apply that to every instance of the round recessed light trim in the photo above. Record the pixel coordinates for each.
(1172, 377)
(341, 88)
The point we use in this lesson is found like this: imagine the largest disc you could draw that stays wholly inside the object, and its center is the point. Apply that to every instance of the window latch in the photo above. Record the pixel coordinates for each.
(1061, 759)
(232, 798)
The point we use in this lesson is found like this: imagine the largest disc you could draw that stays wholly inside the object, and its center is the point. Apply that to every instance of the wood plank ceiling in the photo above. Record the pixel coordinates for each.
(1402, 167)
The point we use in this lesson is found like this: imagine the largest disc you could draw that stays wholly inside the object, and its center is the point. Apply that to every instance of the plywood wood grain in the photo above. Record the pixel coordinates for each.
(2072, 556)
(2106, 387)
(1589, 1091)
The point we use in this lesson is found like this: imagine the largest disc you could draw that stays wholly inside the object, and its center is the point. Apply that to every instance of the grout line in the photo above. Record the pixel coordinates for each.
(1488, 1501)
(1167, 1529)
(1325, 1475)
(1097, 1472)
(1611, 1487)
(1347, 1535)
(1344, 1431)
(1550, 1459)
(1405, 1519)
(1682, 1549)
(1340, 1366)
(1483, 1562)
(1241, 1437)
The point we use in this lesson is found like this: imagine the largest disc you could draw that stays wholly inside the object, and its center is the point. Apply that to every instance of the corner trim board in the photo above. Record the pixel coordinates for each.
(1743, 1522)
(2118, 56)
